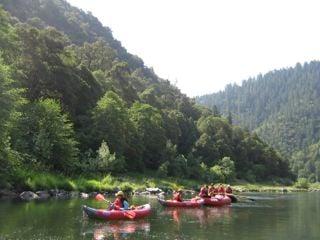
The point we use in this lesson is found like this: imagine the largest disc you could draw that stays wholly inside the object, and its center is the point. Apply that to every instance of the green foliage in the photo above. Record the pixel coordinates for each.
(84, 90)
(9, 101)
(46, 137)
(302, 183)
(149, 126)
(282, 107)
(111, 123)
(107, 162)
(163, 169)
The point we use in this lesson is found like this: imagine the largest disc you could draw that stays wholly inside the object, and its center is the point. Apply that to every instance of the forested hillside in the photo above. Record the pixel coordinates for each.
(283, 108)
(73, 101)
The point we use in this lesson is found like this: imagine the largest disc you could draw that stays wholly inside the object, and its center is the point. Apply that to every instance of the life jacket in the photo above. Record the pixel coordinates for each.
(118, 203)
(203, 192)
(221, 190)
(211, 191)
(177, 197)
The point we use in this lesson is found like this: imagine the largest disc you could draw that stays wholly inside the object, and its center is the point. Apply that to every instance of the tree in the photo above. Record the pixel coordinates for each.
(149, 126)
(46, 137)
(9, 100)
(107, 162)
(111, 123)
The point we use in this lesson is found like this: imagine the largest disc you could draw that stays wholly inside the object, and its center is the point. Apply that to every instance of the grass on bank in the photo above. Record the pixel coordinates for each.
(43, 181)
(36, 181)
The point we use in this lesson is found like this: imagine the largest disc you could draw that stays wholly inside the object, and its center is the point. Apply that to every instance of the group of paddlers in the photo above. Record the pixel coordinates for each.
(205, 192)
(121, 202)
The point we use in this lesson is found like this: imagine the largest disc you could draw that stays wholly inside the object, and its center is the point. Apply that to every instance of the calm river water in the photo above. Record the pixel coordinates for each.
(286, 216)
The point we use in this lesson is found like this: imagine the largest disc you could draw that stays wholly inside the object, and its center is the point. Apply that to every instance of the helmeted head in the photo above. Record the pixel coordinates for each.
(179, 190)
(119, 194)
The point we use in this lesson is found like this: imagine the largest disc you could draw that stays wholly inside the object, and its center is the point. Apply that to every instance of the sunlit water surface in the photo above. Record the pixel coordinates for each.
(271, 216)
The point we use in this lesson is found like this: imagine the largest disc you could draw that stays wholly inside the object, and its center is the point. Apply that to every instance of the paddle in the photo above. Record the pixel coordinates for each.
(128, 213)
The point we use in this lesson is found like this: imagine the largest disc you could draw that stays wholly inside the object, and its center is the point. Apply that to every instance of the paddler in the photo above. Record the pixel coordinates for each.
(120, 203)
(228, 189)
(212, 190)
(204, 192)
(177, 195)
(221, 189)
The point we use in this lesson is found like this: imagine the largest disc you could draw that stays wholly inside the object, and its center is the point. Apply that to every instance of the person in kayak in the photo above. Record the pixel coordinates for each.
(228, 189)
(221, 189)
(204, 192)
(211, 190)
(121, 203)
(177, 196)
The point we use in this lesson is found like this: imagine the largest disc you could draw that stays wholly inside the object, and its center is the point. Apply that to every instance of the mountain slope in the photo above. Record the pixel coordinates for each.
(91, 107)
(282, 106)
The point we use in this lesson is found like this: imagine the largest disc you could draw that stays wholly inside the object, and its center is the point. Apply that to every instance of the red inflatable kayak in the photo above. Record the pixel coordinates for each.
(193, 203)
(217, 201)
(139, 212)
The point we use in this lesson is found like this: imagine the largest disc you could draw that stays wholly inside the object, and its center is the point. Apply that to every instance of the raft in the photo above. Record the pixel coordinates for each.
(217, 201)
(193, 203)
(139, 212)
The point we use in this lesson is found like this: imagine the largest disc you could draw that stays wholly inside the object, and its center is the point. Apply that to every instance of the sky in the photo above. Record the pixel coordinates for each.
(202, 45)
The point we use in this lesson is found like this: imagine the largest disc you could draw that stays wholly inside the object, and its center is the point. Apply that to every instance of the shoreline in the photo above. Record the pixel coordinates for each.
(46, 185)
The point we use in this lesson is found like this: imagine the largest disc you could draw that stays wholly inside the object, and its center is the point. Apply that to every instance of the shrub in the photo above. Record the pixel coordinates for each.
(163, 169)
(302, 183)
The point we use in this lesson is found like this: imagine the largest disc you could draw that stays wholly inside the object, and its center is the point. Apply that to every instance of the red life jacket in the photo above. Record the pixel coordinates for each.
(221, 190)
(117, 204)
(211, 190)
(203, 192)
(177, 197)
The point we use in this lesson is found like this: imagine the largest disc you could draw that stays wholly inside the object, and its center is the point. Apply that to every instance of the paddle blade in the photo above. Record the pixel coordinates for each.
(130, 214)
(100, 197)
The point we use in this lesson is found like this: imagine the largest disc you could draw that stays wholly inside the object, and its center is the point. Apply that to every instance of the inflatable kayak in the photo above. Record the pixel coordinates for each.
(139, 212)
(193, 203)
(217, 201)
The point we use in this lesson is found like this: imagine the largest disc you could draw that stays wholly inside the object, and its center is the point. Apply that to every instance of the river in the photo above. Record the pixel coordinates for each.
(293, 216)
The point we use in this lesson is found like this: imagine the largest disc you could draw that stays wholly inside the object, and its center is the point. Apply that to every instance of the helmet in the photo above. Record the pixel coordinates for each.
(120, 193)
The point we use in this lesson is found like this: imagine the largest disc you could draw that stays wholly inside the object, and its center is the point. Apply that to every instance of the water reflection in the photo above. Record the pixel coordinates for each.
(201, 215)
(118, 230)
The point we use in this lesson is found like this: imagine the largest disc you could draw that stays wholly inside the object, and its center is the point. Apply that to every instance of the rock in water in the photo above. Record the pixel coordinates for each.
(43, 194)
(84, 195)
(7, 194)
(28, 196)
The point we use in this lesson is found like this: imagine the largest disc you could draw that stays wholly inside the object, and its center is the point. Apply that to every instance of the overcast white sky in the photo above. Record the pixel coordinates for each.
(205, 44)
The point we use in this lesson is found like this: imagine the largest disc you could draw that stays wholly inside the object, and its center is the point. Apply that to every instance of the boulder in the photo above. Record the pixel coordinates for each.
(154, 190)
(84, 195)
(74, 194)
(7, 194)
(43, 194)
(28, 196)
(92, 194)
(62, 194)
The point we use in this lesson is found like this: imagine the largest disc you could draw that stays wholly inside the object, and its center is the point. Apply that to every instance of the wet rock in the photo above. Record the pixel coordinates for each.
(74, 194)
(62, 194)
(84, 195)
(7, 194)
(154, 190)
(28, 196)
(144, 193)
(53, 192)
(43, 194)
(93, 194)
